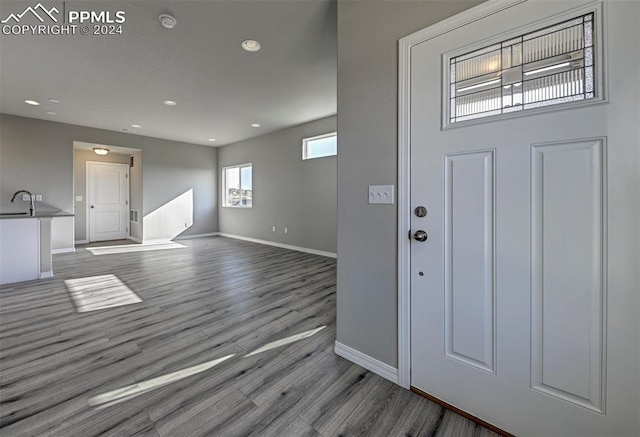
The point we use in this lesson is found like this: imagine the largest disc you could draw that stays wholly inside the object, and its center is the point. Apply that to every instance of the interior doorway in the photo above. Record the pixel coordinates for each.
(107, 201)
(129, 223)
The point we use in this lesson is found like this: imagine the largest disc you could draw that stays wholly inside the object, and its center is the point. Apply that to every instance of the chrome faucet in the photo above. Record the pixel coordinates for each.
(32, 205)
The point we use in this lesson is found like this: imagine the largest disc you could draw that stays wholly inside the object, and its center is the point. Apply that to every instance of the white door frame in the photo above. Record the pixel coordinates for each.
(87, 191)
(404, 174)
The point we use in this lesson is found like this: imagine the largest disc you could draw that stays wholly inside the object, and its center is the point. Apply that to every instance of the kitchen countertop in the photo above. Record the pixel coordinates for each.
(39, 214)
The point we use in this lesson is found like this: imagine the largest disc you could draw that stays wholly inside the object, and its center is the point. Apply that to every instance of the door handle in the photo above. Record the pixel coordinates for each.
(92, 206)
(420, 236)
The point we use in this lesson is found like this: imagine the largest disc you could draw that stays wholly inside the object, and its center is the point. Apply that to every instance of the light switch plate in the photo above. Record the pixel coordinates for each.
(38, 197)
(381, 194)
(78, 198)
(25, 198)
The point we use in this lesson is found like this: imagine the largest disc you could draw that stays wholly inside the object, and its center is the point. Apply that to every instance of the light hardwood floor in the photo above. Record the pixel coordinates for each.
(231, 339)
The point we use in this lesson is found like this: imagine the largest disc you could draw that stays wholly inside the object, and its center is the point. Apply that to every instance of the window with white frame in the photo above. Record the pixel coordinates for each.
(237, 190)
(549, 66)
(320, 146)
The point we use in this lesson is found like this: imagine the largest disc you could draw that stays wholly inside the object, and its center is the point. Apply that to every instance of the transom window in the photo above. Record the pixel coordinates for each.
(237, 185)
(320, 146)
(546, 67)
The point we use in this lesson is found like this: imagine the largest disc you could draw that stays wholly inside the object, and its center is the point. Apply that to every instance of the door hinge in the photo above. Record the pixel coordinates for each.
(126, 175)
(126, 202)
(127, 230)
(409, 235)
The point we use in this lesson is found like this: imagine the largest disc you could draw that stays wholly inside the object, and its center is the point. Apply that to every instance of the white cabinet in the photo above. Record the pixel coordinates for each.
(19, 250)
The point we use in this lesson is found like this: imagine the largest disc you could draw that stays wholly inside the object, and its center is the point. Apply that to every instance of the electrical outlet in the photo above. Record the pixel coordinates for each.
(273, 229)
(286, 230)
(381, 194)
(38, 197)
(78, 198)
(26, 198)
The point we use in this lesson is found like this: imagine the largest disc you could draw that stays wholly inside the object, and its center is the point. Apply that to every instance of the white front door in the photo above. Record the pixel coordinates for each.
(524, 296)
(108, 200)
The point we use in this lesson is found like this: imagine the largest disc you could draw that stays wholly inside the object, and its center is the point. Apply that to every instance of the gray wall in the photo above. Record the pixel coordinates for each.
(80, 158)
(135, 179)
(287, 191)
(368, 33)
(38, 155)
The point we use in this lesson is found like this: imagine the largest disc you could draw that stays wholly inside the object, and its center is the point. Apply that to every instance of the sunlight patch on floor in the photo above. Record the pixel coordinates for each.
(99, 292)
(285, 341)
(132, 248)
(122, 394)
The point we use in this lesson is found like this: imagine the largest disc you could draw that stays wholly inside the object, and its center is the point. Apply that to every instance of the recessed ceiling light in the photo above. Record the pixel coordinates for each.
(212, 139)
(54, 101)
(251, 45)
(136, 126)
(255, 125)
(168, 21)
(32, 102)
(51, 113)
(169, 103)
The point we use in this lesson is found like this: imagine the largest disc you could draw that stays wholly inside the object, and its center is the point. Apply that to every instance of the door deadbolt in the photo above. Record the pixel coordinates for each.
(420, 211)
(420, 236)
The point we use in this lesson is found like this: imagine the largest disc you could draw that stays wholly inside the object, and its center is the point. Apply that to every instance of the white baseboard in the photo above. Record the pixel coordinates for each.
(82, 242)
(44, 275)
(281, 245)
(137, 240)
(64, 250)
(189, 237)
(369, 363)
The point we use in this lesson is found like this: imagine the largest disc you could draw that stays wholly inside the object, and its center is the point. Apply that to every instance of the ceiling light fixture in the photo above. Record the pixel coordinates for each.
(169, 103)
(54, 101)
(136, 126)
(100, 151)
(212, 139)
(255, 125)
(251, 45)
(168, 21)
(32, 102)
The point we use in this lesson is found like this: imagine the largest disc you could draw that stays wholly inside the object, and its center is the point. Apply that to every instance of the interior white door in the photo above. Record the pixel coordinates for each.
(524, 297)
(108, 201)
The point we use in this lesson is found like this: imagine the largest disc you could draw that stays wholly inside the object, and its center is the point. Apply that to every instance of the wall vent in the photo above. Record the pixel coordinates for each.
(133, 215)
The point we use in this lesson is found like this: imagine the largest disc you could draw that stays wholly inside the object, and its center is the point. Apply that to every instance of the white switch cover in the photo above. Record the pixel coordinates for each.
(38, 197)
(381, 194)
(78, 198)
(25, 197)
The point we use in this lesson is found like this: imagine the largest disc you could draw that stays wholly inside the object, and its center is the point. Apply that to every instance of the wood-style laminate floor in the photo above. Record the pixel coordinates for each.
(230, 338)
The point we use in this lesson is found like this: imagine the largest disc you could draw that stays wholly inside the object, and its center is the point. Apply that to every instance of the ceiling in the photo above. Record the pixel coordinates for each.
(114, 81)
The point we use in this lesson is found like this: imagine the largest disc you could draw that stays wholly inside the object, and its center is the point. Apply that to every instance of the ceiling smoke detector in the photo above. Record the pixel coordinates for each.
(251, 45)
(168, 21)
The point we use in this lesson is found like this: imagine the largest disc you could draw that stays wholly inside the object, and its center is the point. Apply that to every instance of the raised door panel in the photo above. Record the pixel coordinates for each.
(568, 271)
(469, 258)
